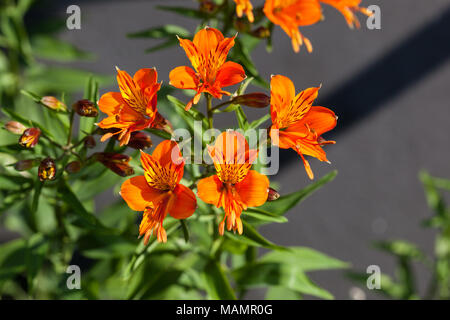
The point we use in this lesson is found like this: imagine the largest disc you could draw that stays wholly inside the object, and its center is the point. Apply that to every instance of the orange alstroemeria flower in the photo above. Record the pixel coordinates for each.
(159, 192)
(207, 53)
(134, 107)
(348, 9)
(290, 15)
(296, 123)
(235, 187)
(244, 6)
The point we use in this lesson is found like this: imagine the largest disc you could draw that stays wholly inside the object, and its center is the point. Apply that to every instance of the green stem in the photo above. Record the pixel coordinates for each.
(209, 110)
(221, 105)
(69, 137)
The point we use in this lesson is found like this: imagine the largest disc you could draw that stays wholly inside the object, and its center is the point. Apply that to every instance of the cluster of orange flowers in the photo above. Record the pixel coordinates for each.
(296, 124)
(292, 14)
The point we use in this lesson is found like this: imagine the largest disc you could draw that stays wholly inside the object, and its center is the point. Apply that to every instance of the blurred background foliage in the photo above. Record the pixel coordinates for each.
(406, 254)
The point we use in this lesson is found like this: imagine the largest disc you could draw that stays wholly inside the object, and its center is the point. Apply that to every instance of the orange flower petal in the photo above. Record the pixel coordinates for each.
(229, 74)
(168, 152)
(111, 103)
(319, 119)
(138, 194)
(184, 204)
(282, 91)
(146, 77)
(210, 189)
(183, 78)
(206, 39)
(254, 189)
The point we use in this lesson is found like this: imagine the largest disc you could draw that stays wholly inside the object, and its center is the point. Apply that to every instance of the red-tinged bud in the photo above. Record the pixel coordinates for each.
(53, 103)
(30, 137)
(118, 163)
(242, 25)
(47, 169)
(85, 108)
(207, 6)
(23, 165)
(89, 142)
(162, 123)
(273, 195)
(254, 100)
(73, 167)
(139, 140)
(261, 32)
(15, 127)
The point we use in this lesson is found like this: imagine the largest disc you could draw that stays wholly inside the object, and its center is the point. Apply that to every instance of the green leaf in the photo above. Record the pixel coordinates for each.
(87, 124)
(49, 47)
(306, 259)
(190, 117)
(401, 248)
(37, 193)
(241, 118)
(159, 133)
(36, 252)
(168, 30)
(434, 198)
(265, 215)
(185, 230)
(12, 259)
(101, 245)
(281, 293)
(217, 285)
(264, 274)
(255, 124)
(286, 202)
(25, 121)
(82, 218)
(251, 237)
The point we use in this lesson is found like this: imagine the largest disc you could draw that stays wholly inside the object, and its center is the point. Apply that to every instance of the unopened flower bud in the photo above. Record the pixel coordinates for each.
(273, 195)
(207, 6)
(254, 100)
(85, 108)
(73, 167)
(242, 25)
(30, 137)
(162, 123)
(261, 32)
(23, 165)
(116, 162)
(15, 127)
(89, 142)
(47, 170)
(53, 103)
(139, 140)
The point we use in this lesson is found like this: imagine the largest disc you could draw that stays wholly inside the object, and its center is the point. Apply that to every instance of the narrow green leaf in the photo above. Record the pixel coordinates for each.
(168, 30)
(306, 259)
(255, 124)
(263, 274)
(217, 285)
(265, 216)
(83, 217)
(185, 230)
(159, 133)
(251, 237)
(286, 202)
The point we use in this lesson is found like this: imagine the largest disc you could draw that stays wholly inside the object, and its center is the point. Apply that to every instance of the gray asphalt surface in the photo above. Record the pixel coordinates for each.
(390, 88)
